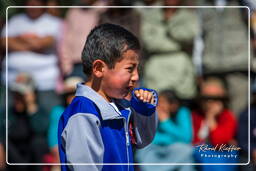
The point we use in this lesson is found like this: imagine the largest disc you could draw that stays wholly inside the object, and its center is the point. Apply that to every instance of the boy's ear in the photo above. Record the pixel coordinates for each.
(98, 67)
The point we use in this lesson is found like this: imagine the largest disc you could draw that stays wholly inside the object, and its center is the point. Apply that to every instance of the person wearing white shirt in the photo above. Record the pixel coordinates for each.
(32, 38)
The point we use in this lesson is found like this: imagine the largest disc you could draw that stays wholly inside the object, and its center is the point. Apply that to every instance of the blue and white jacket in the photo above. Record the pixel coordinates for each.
(92, 131)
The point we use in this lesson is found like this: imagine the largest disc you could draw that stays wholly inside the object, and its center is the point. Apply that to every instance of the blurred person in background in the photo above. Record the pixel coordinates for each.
(172, 142)
(143, 13)
(27, 125)
(243, 119)
(146, 3)
(77, 25)
(214, 125)
(11, 11)
(125, 17)
(2, 21)
(57, 12)
(32, 39)
(2, 96)
(68, 95)
(2, 140)
(168, 35)
(2, 157)
(253, 25)
(224, 35)
(252, 6)
(243, 133)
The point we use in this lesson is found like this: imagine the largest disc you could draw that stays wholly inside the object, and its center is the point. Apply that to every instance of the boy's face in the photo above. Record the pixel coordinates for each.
(120, 80)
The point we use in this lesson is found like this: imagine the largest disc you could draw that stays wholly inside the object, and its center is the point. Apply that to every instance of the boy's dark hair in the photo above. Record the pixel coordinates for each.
(107, 42)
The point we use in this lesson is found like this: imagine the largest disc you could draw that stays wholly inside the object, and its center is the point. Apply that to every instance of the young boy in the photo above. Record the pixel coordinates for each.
(100, 126)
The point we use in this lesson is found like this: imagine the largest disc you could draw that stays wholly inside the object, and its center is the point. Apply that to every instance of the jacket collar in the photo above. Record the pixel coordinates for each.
(107, 111)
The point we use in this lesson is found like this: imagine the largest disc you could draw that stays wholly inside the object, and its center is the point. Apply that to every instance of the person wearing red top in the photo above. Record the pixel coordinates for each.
(214, 127)
(224, 131)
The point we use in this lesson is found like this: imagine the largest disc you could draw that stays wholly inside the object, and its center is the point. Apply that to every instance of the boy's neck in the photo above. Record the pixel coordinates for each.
(95, 85)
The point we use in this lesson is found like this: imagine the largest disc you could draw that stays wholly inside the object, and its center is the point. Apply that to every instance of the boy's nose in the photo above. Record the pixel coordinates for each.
(135, 76)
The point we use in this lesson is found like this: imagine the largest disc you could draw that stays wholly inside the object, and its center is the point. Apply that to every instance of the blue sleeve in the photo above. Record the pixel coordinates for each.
(182, 129)
(144, 119)
(139, 106)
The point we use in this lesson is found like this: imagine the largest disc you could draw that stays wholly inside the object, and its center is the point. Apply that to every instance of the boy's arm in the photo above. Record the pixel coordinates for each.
(145, 117)
(83, 143)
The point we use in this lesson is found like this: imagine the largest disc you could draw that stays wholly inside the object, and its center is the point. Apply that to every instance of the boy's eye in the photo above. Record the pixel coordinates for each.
(130, 69)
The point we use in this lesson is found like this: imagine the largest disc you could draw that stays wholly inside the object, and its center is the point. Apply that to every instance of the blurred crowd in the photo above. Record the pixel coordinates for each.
(198, 60)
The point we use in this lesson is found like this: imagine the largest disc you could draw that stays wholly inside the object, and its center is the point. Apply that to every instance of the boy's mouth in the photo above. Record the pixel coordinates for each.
(130, 88)
(128, 92)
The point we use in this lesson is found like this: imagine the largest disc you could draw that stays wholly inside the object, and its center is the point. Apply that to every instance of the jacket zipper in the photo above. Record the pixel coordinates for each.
(127, 137)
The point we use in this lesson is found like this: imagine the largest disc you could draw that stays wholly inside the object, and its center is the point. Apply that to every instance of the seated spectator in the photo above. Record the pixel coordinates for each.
(27, 124)
(243, 134)
(69, 90)
(172, 142)
(221, 57)
(214, 125)
(32, 39)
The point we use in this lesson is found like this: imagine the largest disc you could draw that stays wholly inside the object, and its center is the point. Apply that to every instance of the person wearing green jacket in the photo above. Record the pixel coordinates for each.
(168, 35)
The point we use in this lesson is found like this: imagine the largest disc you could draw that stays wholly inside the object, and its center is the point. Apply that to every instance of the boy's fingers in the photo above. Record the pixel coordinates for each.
(136, 92)
(152, 101)
(141, 92)
(147, 96)
(144, 95)
(150, 97)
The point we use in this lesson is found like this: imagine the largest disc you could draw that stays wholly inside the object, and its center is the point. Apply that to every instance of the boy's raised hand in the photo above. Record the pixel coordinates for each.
(144, 101)
(144, 95)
